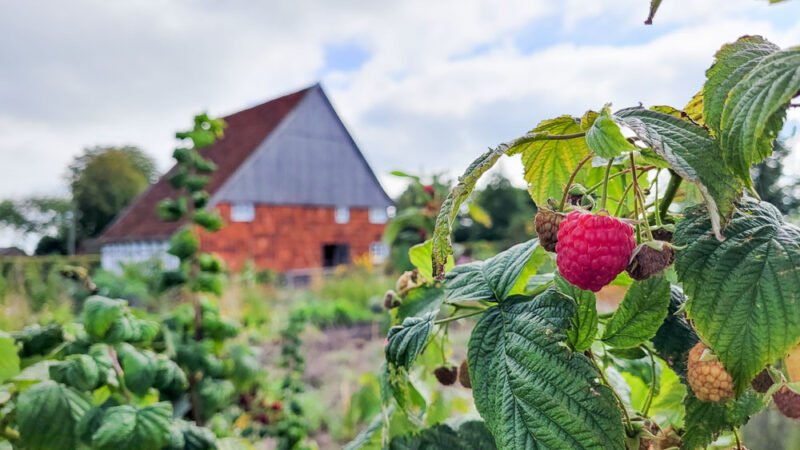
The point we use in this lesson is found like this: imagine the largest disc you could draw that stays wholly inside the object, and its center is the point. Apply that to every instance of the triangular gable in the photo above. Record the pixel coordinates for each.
(310, 159)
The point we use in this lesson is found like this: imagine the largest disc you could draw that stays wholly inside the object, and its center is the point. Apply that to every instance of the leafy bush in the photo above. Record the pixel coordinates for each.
(546, 369)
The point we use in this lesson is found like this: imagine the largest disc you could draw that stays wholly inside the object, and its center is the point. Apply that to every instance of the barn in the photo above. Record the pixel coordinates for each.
(292, 185)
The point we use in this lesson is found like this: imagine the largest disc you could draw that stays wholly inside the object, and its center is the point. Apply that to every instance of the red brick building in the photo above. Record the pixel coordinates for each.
(293, 187)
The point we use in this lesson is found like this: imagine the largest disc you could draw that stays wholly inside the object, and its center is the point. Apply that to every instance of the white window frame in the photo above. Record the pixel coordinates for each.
(341, 214)
(378, 252)
(378, 215)
(243, 212)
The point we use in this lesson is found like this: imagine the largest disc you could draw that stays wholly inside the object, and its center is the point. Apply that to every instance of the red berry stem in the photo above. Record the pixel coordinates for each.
(571, 179)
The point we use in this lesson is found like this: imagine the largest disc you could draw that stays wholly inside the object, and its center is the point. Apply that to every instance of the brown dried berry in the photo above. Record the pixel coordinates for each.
(546, 223)
(662, 234)
(390, 300)
(408, 281)
(647, 261)
(446, 375)
(788, 402)
(762, 382)
(709, 380)
(463, 375)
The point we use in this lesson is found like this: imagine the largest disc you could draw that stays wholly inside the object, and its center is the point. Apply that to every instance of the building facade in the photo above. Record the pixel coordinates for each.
(292, 186)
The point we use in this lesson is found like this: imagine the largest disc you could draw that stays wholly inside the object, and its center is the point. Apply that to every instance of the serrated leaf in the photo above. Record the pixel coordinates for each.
(78, 371)
(128, 427)
(605, 138)
(418, 302)
(466, 183)
(38, 340)
(99, 313)
(743, 293)
(584, 323)
(52, 405)
(549, 164)
(706, 420)
(640, 314)
(756, 109)
(530, 388)
(407, 340)
(420, 256)
(693, 154)
(9, 359)
(472, 435)
(139, 368)
(191, 437)
(731, 64)
(497, 277)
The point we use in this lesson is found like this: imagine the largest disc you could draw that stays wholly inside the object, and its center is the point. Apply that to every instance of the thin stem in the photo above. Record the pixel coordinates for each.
(605, 183)
(563, 137)
(622, 200)
(454, 318)
(613, 392)
(444, 337)
(571, 179)
(118, 370)
(614, 175)
(651, 393)
(669, 195)
(655, 201)
(638, 196)
(738, 439)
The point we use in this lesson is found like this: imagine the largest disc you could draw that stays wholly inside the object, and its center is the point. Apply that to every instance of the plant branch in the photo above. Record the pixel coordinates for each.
(118, 370)
(655, 201)
(614, 175)
(651, 393)
(622, 200)
(454, 318)
(571, 179)
(638, 196)
(605, 183)
(672, 189)
(611, 388)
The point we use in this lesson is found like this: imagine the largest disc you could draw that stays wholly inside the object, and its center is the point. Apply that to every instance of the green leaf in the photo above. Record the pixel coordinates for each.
(605, 138)
(215, 395)
(497, 277)
(731, 64)
(78, 371)
(693, 154)
(756, 109)
(743, 292)
(99, 313)
(479, 215)
(640, 314)
(584, 322)
(169, 376)
(38, 340)
(466, 183)
(530, 388)
(675, 337)
(549, 164)
(139, 368)
(183, 244)
(191, 437)
(47, 415)
(418, 302)
(420, 256)
(128, 427)
(9, 359)
(472, 435)
(706, 420)
(407, 340)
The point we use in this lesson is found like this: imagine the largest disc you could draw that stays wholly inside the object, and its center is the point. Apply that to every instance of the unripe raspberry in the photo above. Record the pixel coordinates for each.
(709, 380)
(463, 375)
(446, 375)
(546, 224)
(593, 249)
(648, 261)
(788, 402)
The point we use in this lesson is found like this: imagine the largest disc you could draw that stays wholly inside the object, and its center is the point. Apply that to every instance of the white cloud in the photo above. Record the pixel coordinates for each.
(444, 80)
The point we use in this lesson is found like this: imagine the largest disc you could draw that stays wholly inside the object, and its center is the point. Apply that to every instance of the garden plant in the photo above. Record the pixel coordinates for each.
(710, 312)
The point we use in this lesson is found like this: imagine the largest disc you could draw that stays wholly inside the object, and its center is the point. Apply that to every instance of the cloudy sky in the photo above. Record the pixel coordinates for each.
(423, 86)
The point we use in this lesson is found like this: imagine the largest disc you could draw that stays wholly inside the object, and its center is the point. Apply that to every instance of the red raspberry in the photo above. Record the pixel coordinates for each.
(593, 249)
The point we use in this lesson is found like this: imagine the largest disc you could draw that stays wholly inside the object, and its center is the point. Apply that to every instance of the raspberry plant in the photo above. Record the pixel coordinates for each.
(548, 371)
(117, 380)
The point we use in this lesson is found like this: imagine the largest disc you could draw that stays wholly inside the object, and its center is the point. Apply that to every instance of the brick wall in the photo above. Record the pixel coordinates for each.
(288, 237)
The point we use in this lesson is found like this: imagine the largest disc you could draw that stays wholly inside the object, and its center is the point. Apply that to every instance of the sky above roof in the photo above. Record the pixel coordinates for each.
(423, 86)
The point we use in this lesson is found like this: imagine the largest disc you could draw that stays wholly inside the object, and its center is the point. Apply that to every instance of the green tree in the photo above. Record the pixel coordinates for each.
(104, 180)
(773, 185)
(510, 211)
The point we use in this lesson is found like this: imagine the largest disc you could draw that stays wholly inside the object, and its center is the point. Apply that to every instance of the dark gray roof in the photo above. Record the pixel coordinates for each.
(309, 159)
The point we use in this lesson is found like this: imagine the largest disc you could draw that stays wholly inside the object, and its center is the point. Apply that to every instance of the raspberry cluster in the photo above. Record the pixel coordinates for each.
(593, 249)
(709, 380)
